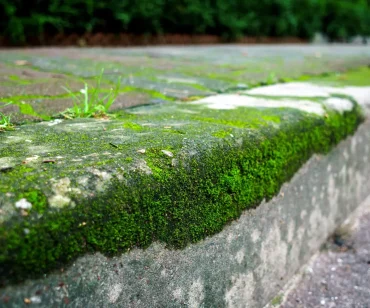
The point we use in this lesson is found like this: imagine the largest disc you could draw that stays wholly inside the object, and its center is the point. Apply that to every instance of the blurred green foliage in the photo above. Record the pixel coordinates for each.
(338, 19)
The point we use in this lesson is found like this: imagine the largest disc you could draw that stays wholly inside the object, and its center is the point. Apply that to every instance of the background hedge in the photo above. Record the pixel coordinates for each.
(338, 19)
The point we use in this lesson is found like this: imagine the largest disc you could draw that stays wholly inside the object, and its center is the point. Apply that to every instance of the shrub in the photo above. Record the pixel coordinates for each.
(346, 18)
(338, 19)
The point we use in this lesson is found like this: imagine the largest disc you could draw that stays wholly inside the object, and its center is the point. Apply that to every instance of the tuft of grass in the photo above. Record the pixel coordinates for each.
(92, 102)
(277, 300)
(271, 79)
(5, 123)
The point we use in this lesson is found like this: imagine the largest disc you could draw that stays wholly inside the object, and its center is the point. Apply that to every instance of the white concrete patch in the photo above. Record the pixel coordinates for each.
(291, 229)
(292, 89)
(61, 189)
(232, 101)
(13, 139)
(255, 235)
(178, 294)
(196, 294)
(240, 256)
(241, 292)
(114, 293)
(31, 159)
(230, 238)
(318, 224)
(360, 94)
(7, 162)
(304, 90)
(287, 92)
(339, 104)
(54, 122)
(102, 177)
(167, 153)
(178, 80)
(59, 201)
(141, 165)
(36, 300)
(272, 269)
(39, 149)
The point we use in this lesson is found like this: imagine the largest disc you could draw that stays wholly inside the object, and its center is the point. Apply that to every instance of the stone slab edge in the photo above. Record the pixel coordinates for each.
(243, 266)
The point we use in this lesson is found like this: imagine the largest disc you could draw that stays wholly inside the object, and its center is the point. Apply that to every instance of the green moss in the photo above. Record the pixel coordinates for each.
(253, 118)
(37, 199)
(19, 80)
(154, 94)
(222, 133)
(133, 126)
(356, 77)
(209, 181)
(174, 131)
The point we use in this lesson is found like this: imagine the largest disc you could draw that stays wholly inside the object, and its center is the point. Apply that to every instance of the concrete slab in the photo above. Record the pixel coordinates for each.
(152, 205)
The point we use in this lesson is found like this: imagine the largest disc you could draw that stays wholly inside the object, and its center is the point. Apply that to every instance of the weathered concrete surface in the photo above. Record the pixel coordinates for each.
(337, 276)
(159, 74)
(250, 259)
(146, 176)
(243, 266)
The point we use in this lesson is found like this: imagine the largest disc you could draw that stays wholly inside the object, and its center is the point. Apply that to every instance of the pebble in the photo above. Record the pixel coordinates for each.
(168, 153)
(35, 299)
(23, 204)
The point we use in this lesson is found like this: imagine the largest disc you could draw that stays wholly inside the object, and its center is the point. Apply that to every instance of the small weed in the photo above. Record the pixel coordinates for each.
(94, 102)
(271, 79)
(276, 301)
(5, 123)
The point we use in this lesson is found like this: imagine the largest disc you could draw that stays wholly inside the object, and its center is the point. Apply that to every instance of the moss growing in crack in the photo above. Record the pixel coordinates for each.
(133, 126)
(355, 77)
(179, 198)
(223, 133)
(173, 131)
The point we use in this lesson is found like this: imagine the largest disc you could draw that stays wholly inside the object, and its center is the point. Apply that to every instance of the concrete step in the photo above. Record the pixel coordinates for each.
(211, 202)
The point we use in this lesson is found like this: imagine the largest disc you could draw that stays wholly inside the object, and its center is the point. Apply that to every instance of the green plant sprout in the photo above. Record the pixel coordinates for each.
(5, 123)
(271, 79)
(93, 101)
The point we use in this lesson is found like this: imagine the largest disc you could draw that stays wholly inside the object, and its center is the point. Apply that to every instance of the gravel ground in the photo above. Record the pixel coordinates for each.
(340, 275)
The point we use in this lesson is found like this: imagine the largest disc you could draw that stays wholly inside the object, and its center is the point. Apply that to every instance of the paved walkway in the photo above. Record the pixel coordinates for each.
(157, 74)
(340, 275)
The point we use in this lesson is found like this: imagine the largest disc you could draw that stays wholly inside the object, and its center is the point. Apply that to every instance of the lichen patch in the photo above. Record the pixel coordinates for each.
(62, 190)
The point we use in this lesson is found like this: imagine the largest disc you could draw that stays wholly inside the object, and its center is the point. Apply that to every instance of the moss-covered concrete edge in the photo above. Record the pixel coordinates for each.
(176, 206)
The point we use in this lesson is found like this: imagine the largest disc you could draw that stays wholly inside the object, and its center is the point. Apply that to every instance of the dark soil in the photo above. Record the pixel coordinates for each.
(125, 39)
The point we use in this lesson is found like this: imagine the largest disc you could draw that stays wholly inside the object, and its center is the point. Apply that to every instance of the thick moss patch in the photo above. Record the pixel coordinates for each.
(174, 173)
(354, 77)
